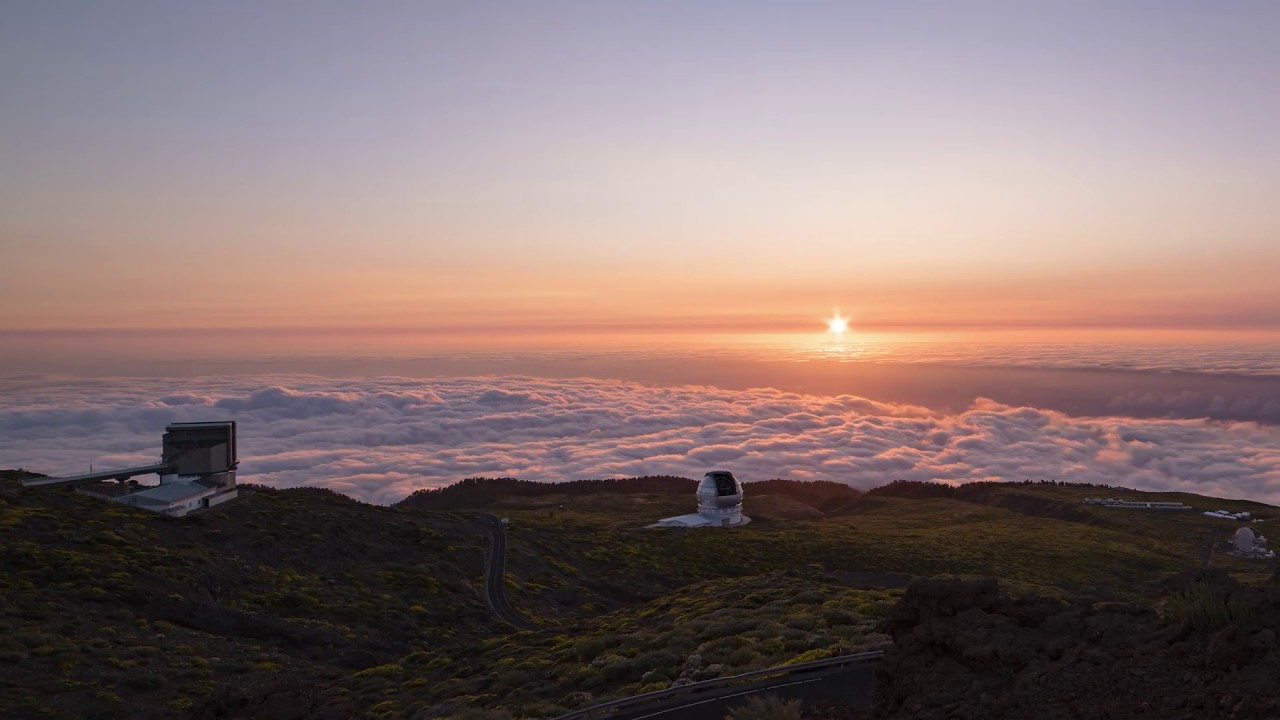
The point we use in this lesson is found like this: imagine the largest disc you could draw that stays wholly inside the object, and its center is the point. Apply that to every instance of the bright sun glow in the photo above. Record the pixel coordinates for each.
(837, 324)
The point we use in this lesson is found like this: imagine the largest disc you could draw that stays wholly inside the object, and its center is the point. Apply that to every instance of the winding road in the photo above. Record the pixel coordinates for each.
(495, 577)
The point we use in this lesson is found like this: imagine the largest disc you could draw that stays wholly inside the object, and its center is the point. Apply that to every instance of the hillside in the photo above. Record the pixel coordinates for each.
(111, 610)
(966, 649)
(482, 492)
(304, 603)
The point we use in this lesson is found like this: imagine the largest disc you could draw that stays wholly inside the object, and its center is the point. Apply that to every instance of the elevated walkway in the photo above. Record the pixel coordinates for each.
(116, 474)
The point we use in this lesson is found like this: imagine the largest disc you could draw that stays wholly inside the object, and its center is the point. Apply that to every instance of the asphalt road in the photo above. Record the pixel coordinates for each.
(495, 583)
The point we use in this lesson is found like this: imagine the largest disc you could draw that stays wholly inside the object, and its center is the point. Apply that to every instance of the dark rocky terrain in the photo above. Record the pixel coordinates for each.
(962, 649)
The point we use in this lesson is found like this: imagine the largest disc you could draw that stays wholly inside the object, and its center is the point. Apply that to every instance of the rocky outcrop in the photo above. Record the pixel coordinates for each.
(962, 649)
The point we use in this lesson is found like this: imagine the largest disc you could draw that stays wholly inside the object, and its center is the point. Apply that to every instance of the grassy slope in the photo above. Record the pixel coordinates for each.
(601, 583)
(109, 607)
(112, 607)
(611, 557)
(705, 630)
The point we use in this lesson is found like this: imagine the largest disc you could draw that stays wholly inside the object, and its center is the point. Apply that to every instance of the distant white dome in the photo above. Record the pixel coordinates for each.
(1245, 539)
(720, 497)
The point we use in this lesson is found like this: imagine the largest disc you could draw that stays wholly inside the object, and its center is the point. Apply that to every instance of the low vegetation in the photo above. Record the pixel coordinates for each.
(310, 600)
(705, 630)
(481, 492)
(111, 611)
(766, 707)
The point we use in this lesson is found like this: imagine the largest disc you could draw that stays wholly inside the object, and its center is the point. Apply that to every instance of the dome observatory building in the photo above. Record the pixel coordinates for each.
(719, 498)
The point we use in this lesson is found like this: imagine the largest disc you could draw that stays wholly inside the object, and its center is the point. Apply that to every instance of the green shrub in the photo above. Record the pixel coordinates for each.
(30, 639)
(481, 714)
(106, 705)
(1204, 609)
(766, 707)
(657, 660)
(589, 649)
(143, 682)
(235, 667)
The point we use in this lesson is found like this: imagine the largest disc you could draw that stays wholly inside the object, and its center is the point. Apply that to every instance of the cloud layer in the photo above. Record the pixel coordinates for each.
(380, 439)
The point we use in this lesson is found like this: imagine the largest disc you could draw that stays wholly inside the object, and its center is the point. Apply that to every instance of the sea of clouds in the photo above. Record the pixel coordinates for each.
(1256, 358)
(380, 439)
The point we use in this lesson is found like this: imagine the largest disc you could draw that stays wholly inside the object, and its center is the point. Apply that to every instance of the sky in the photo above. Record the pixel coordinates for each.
(556, 169)
(403, 243)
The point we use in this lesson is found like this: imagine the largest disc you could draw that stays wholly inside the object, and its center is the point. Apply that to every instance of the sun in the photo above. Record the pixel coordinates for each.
(837, 324)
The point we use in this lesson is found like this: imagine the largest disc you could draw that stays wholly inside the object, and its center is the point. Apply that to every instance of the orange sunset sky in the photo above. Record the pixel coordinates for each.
(597, 168)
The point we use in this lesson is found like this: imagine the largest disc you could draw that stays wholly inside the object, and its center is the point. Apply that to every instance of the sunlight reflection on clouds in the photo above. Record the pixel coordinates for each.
(380, 439)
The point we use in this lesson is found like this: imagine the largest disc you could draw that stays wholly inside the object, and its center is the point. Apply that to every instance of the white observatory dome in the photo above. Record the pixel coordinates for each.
(720, 497)
(1245, 539)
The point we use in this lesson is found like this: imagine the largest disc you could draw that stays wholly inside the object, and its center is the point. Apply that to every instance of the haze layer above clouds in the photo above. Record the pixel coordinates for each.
(380, 439)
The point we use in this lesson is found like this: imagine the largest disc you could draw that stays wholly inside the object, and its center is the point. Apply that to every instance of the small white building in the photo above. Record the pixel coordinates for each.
(1137, 504)
(1228, 515)
(719, 497)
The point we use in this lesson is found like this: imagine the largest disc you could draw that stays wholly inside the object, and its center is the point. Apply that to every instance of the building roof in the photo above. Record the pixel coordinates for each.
(693, 520)
(168, 493)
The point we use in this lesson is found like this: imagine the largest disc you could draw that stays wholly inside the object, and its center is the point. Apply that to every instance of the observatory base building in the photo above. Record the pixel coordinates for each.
(179, 497)
(197, 470)
(1250, 543)
(719, 498)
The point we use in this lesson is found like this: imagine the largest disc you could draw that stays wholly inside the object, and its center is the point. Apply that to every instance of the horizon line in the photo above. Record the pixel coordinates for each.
(603, 329)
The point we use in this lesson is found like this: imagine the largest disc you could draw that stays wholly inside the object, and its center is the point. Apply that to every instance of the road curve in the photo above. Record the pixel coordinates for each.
(495, 577)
